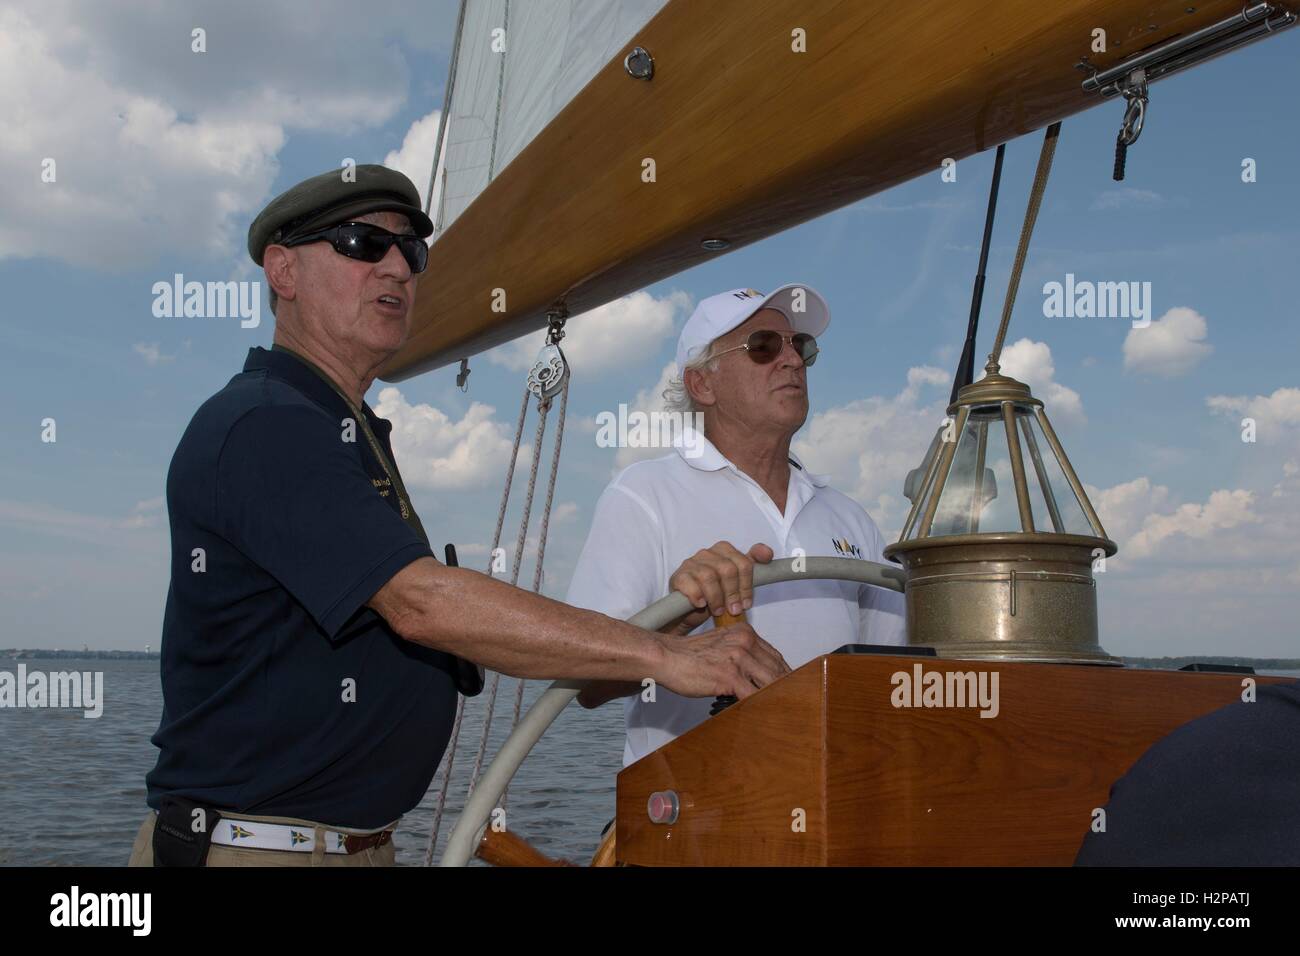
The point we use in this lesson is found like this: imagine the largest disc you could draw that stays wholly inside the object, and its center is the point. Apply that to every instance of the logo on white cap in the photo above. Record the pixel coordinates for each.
(717, 315)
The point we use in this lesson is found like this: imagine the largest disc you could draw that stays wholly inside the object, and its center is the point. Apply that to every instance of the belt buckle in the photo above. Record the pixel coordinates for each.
(354, 843)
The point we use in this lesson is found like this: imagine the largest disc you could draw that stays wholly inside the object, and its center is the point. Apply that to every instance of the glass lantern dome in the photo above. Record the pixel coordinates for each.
(1002, 542)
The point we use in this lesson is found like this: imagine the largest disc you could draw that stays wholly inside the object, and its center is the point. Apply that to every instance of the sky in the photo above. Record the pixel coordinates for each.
(163, 157)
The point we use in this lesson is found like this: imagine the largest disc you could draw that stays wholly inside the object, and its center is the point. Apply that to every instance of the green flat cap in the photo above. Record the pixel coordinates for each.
(329, 199)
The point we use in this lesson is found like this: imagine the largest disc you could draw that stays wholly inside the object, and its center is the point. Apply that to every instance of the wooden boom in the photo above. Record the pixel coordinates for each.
(749, 138)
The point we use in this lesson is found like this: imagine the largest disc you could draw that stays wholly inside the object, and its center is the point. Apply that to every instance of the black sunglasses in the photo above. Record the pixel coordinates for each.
(369, 243)
(765, 345)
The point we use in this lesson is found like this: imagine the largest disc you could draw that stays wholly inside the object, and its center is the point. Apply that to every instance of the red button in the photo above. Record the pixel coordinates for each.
(663, 807)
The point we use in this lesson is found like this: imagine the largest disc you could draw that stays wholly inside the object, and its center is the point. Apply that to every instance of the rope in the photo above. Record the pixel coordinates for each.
(1031, 216)
(449, 758)
(543, 408)
(541, 540)
(449, 755)
(550, 486)
(510, 479)
(514, 580)
(490, 707)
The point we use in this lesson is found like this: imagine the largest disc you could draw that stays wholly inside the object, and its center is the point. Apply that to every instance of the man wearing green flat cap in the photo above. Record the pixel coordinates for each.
(312, 645)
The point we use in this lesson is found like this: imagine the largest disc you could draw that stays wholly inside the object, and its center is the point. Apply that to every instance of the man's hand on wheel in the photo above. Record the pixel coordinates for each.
(730, 660)
(716, 580)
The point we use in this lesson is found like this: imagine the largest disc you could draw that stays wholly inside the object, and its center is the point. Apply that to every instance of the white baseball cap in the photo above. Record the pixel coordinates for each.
(719, 314)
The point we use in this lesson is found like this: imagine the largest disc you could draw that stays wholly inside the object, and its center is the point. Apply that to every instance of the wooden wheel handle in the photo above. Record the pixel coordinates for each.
(725, 619)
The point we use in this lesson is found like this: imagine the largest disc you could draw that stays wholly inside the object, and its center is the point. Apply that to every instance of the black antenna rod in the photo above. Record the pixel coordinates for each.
(966, 366)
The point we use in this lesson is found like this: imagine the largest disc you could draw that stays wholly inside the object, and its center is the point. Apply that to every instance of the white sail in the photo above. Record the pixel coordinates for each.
(517, 64)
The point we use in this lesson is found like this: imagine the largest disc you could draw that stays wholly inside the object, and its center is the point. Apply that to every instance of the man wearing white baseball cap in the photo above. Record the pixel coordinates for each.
(679, 522)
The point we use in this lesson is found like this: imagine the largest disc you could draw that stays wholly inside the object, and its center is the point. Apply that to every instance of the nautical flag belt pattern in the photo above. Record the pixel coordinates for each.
(252, 834)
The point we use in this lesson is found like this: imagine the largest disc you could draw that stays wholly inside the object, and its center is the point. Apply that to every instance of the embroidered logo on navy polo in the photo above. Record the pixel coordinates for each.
(845, 547)
(238, 833)
(295, 837)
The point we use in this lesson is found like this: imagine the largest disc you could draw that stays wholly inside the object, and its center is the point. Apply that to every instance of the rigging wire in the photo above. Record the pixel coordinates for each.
(449, 755)
(966, 365)
(446, 109)
(1026, 231)
(545, 401)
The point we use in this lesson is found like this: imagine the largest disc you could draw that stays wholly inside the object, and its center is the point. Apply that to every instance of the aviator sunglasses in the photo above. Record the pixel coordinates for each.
(369, 243)
(765, 345)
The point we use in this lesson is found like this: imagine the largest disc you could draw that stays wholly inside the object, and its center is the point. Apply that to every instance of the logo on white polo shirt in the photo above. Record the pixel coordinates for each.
(845, 547)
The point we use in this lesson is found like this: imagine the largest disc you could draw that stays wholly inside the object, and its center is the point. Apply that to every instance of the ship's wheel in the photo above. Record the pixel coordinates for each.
(473, 837)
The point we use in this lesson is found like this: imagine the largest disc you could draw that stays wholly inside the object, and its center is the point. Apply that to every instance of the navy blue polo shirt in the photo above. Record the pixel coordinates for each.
(1221, 790)
(283, 694)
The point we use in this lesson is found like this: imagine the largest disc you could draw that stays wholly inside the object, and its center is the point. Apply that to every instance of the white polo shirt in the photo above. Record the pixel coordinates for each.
(658, 513)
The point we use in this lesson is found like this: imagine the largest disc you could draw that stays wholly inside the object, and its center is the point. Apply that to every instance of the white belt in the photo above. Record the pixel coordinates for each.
(278, 836)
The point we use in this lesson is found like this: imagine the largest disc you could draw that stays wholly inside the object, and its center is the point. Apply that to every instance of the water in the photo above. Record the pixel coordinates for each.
(72, 789)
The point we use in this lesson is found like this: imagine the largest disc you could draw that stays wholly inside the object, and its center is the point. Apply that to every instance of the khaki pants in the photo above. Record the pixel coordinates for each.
(218, 855)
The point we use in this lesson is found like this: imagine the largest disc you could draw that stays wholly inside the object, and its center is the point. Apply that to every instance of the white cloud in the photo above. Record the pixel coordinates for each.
(155, 180)
(440, 454)
(1189, 578)
(1169, 346)
(157, 147)
(564, 512)
(151, 352)
(1126, 198)
(80, 526)
(1124, 507)
(415, 156)
(1224, 509)
(877, 205)
(928, 260)
(1290, 483)
(1134, 517)
(1031, 362)
(646, 400)
(867, 447)
(1273, 414)
(146, 514)
(606, 339)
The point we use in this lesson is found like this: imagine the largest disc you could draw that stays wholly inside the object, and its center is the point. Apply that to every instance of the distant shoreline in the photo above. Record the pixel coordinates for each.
(42, 653)
(1174, 663)
(1144, 663)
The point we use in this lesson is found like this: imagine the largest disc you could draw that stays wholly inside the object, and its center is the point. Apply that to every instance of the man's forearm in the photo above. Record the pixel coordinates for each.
(602, 692)
(513, 631)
